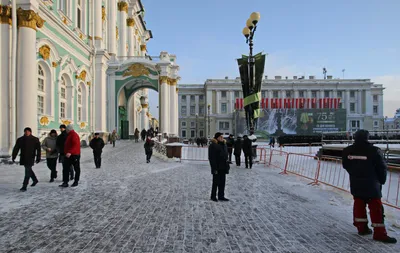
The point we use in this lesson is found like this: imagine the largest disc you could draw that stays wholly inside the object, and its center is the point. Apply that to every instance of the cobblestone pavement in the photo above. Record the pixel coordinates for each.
(131, 206)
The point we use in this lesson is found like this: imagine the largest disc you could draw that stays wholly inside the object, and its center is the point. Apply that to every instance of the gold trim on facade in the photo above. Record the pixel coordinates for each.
(44, 52)
(98, 38)
(54, 64)
(5, 14)
(143, 47)
(136, 31)
(130, 22)
(163, 79)
(123, 6)
(103, 13)
(29, 19)
(136, 70)
(82, 75)
(145, 106)
(177, 90)
(89, 83)
(172, 81)
(44, 121)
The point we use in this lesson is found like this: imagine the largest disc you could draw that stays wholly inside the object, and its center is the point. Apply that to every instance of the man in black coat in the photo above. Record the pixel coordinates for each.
(30, 147)
(367, 170)
(230, 142)
(248, 152)
(218, 157)
(97, 144)
(238, 150)
(60, 146)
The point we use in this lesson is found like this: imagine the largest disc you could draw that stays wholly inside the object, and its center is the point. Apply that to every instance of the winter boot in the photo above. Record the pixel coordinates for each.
(386, 239)
(23, 189)
(34, 183)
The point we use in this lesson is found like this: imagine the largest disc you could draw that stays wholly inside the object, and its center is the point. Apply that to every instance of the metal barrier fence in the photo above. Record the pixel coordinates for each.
(329, 171)
(200, 154)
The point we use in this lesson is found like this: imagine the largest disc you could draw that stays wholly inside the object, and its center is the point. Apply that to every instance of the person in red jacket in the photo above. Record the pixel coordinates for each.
(72, 151)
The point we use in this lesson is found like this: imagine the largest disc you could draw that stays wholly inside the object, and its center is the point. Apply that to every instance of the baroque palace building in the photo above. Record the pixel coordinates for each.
(209, 107)
(81, 62)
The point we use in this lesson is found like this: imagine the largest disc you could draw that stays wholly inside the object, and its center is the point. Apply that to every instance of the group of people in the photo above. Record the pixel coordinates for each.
(65, 148)
(145, 133)
(237, 147)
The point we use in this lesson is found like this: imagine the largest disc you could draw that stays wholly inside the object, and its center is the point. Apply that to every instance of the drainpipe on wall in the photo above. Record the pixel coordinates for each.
(13, 83)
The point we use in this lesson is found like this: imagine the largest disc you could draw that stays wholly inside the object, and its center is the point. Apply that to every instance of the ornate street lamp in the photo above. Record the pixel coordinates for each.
(251, 71)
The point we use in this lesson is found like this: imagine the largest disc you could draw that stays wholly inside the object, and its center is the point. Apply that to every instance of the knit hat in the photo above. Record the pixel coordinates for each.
(63, 126)
(217, 135)
(70, 127)
(96, 134)
(53, 131)
(28, 129)
(361, 136)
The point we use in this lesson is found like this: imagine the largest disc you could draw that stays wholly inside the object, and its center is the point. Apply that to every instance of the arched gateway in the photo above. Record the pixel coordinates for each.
(127, 77)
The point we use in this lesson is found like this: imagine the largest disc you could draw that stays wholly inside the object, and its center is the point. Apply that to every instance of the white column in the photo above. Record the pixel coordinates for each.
(173, 106)
(143, 114)
(164, 104)
(218, 105)
(130, 22)
(122, 14)
(98, 24)
(187, 105)
(112, 27)
(101, 95)
(359, 101)
(347, 101)
(5, 66)
(368, 103)
(26, 93)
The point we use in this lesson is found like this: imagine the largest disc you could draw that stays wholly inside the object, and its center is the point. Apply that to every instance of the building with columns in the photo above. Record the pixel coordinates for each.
(393, 123)
(80, 62)
(214, 101)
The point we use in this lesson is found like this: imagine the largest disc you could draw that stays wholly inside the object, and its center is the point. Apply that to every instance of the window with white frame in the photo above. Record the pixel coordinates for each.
(355, 124)
(192, 110)
(376, 123)
(63, 88)
(64, 6)
(314, 94)
(79, 14)
(301, 94)
(183, 110)
(201, 98)
(224, 108)
(40, 104)
(340, 94)
(79, 103)
(237, 94)
(275, 94)
(223, 94)
(192, 124)
(375, 98)
(183, 98)
(263, 94)
(62, 109)
(183, 123)
(41, 79)
(326, 94)
(201, 133)
(183, 133)
(352, 94)
(202, 110)
(375, 110)
(288, 93)
(192, 133)
(352, 107)
(192, 99)
(223, 125)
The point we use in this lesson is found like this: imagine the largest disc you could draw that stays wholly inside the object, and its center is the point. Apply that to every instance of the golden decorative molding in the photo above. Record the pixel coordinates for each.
(123, 6)
(98, 38)
(44, 52)
(65, 21)
(103, 13)
(148, 114)
(136, 69)
(145, 106)
(81, 36)
(44, 121)
(143, 47)
(172, 81)
(29, 19)
(89, 83)
(177, 90)
(136, 31)
(130, 22)
(138, 39)
(66, 122)
(82, 75)
(5, 14)
(163, 79)
(54, 64)
(82, 125)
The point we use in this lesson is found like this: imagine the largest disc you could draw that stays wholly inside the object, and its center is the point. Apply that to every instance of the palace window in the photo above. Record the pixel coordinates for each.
(223, 125)
(183, 123)
(223, 94)
(375, 98)
(352, 107)
(288, 93)
(192, 110)
(224, 108)
(192, 124)
(192, 133)
(326, 93)
(79, 15)
(352, 94)
(201, 133)
(63, 88)
(201, 110)
(275, 94)
(314, 94)
(183, 98)
(263, 94)
(183, 133)
(62, 110)
(79, 113)
(40, 104)
(301, 94)
(340, 94)
(192, 99)
(183, 110)
(237, 94)
(40, 79)
(201, 98)
(375, 110)
(79, 103)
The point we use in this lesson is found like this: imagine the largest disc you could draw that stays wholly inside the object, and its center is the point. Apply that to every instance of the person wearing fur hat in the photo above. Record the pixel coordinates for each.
(368, 171)
(97, 144)
(50, 146)
(218, 158)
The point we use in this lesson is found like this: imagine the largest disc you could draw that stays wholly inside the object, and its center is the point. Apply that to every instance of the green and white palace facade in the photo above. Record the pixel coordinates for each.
(81, 62)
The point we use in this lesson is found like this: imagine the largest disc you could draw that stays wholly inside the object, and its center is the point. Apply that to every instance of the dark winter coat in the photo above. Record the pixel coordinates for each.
(367, 169)
(50, 143)
(230, 142)
(247, 146)
(97, 144)
(237, 147)
(61, 142)
(148, 147)
(30, 147)
(218, 157)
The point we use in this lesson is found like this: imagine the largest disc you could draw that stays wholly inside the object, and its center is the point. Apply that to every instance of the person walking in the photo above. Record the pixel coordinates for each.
(60, 147)
(29, 146)
(248, 152)
(238, 150)
(230, 143)
(218, 158)
(136, 135)
(113, 137)
(143, 134)
(97, 144)
(49, 144)
(72, 150)
(368, 171)
(148, 148)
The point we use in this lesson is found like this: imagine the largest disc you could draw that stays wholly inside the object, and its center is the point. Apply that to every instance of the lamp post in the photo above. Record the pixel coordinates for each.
(248, 32)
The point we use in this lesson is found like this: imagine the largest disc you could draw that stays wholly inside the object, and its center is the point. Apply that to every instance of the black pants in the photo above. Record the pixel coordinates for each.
(97, 159)
(52, 165)
(237, 159)
(148, 155)
(71, 168)
(29, 174)
(230, 150)
(218, 182)
(73, 160)
(248, 159)
(113, 142)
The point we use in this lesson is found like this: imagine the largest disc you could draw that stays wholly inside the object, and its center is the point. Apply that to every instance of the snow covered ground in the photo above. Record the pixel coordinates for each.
(164, 206)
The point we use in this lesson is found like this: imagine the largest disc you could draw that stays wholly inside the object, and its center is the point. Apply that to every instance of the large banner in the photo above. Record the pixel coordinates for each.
(295, 121)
